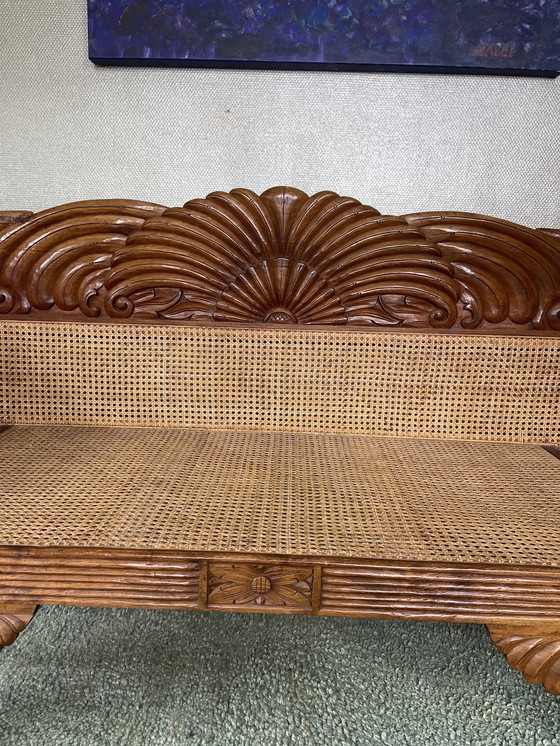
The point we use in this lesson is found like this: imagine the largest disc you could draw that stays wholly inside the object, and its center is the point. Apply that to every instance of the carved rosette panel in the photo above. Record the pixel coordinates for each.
(275, 586)
(12, 624)
(536, 656)
(282, 258)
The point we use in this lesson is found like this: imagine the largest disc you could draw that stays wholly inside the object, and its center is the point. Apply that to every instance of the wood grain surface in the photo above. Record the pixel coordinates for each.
(279, 258)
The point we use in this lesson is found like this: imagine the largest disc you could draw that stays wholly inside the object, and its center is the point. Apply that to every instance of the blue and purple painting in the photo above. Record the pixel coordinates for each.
(500, 36)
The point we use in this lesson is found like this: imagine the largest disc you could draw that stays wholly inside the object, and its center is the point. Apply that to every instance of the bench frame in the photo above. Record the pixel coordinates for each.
(439, 272)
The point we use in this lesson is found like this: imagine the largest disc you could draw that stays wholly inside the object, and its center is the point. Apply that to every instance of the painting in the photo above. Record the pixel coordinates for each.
(484, 36)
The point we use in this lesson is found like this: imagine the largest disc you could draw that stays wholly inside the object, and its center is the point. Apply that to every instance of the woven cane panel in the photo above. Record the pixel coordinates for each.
(405, 384)
(298, 494)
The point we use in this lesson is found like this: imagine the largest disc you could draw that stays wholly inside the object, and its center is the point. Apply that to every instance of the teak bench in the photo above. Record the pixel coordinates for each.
(287, 404)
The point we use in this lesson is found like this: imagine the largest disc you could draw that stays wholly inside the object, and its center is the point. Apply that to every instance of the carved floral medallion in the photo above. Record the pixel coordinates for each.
(240, 584)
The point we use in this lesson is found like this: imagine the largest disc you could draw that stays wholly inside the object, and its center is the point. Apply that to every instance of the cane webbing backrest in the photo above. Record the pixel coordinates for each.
(400, 384)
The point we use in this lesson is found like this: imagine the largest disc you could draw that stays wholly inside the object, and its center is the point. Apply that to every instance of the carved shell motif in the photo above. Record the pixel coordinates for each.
(281, 257)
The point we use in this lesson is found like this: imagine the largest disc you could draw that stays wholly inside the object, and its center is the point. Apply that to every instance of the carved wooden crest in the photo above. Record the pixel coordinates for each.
(283, 258)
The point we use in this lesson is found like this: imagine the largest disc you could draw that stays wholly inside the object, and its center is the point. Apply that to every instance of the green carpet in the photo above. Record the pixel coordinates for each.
(106, 677)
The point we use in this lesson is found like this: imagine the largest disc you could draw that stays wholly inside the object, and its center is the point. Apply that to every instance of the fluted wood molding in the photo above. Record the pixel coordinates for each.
(383, 589)
(282, 257)
(532, 650)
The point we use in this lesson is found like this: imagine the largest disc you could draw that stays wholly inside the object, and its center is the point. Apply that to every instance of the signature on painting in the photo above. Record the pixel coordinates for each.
(499, 49)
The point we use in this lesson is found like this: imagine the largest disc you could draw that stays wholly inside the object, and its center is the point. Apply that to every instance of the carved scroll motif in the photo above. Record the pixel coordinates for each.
(58, 258)
(283, 258)
(504, 271)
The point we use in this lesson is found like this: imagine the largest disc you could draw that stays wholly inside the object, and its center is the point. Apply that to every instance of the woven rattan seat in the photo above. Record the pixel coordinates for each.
(279, 493)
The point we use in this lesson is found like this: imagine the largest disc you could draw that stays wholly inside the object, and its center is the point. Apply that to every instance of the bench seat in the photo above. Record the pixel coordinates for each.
(318, 495)
(283, 403)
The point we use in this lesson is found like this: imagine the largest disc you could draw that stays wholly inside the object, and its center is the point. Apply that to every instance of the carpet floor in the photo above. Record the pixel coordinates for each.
(120, 677)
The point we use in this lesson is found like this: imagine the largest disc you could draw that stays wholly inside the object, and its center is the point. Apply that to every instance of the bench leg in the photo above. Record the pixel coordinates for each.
(532, 649)
(13, 620)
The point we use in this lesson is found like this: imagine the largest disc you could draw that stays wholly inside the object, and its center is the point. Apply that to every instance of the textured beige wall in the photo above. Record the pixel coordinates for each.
(70, 130)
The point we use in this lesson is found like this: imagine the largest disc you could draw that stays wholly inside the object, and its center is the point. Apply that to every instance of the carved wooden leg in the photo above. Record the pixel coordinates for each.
(13, 620)
(532, 649)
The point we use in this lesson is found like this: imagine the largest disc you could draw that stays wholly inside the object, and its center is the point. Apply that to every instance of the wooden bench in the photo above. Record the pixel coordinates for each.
(285, 404)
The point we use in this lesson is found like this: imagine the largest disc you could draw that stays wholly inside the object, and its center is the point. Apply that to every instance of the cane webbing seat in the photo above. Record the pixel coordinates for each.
(279, 493)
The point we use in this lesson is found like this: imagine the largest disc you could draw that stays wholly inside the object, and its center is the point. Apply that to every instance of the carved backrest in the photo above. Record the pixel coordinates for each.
(280, 311)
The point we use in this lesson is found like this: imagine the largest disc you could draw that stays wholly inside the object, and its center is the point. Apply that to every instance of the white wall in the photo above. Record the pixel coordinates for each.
(70, 130)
